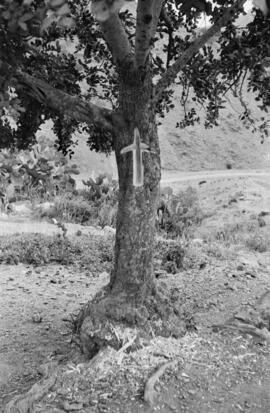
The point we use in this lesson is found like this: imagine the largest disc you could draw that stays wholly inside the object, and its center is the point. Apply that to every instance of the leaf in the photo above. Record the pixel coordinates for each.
(56, 3)
(23, 26)
(66, 22)
(25, 17)
(27, 2)
(63, 10)
(47, 22)
(6, 15)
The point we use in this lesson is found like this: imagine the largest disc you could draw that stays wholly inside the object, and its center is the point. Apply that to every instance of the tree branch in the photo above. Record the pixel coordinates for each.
(164, 16)
(116, 39)
(70, 106)
(148, 12)
(158, 4)
(169, 76)
(143, 31)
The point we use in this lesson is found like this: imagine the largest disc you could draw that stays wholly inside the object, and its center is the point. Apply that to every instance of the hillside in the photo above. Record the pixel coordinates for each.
(229, 145)
(194, 148)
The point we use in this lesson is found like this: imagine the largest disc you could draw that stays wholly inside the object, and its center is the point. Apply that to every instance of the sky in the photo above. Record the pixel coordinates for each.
(205, 20)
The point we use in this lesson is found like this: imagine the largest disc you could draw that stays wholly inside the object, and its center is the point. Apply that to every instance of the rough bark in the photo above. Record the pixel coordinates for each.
(132, 297)
(135, 230)
(148, 13)
(144, 25)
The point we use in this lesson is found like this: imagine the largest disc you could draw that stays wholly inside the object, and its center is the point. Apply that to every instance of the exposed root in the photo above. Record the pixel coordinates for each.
(255, 322)
(262, 333)
(106, 320)
(149, 389)
(24, 403)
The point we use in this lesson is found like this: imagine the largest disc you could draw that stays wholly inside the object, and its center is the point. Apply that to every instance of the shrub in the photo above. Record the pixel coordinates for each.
(94, 205)
(93, 252)
(35, 249)
(102, 194)
(107, 215)
(103, 187)
(74, 209)
(181, 213)
(171, 253)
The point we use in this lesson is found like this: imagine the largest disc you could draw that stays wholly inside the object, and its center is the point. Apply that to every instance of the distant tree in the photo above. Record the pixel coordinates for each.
(116, 60)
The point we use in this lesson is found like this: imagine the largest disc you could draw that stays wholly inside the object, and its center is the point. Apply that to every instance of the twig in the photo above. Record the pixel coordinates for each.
(121, 351)
(149, 389)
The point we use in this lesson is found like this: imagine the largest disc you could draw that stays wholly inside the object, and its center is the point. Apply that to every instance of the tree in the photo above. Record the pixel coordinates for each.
(118, 60)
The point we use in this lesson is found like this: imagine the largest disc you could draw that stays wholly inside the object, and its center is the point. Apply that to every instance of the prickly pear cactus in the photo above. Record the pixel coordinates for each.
(42, 168)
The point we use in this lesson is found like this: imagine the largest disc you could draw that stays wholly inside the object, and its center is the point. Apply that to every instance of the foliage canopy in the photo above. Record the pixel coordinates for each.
(53, 46)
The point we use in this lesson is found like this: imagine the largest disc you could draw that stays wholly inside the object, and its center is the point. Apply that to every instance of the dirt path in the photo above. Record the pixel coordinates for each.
(180, 176)
(168, 176)
(218, 186)
(16, 225)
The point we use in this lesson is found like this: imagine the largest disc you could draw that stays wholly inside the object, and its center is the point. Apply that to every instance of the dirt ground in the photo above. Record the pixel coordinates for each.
(213, 370)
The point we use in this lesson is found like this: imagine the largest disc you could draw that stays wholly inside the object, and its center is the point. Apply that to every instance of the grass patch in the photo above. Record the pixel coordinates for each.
(258, 241)
(71, 208)
(229, 233)
(92, 252)
(220, 241)
(219, 250)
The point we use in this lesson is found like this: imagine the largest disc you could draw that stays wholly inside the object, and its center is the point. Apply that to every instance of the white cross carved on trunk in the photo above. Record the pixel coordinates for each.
(137, 148)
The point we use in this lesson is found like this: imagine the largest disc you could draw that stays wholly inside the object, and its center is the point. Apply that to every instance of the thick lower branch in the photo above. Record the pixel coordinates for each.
(164, 16)
(116, 39)
(71, 106)
(169, 76)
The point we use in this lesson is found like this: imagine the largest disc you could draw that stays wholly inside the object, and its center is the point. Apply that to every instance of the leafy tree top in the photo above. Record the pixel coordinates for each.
(58, 62)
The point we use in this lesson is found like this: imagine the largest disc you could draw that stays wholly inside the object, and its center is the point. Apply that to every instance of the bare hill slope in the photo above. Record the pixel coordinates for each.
(229, 145)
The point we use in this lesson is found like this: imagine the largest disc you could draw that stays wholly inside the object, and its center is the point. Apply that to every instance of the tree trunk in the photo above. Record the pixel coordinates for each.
(135, 229)
(132, 297)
